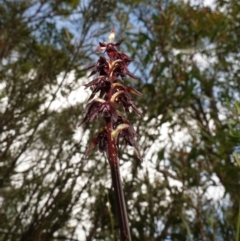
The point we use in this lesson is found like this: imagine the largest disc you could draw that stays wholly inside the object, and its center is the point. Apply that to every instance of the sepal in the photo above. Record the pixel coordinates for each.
(100, 140)
(118, 87)
(119, 128)
(124, 130)
(125, 99)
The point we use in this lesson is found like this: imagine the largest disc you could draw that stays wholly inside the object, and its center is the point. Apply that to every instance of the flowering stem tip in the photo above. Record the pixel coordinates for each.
(111, 94)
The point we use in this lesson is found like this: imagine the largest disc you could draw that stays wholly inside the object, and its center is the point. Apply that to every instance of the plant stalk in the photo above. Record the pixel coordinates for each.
(117, 185)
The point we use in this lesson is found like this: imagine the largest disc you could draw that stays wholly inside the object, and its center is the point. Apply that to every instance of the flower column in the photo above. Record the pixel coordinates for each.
(111, 94)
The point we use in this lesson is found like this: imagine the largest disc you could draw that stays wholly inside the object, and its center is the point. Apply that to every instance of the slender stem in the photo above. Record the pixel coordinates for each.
(117, 185)
(238, 225)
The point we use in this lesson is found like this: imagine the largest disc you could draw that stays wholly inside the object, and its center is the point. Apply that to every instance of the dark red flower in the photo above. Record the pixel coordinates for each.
(109, 49)
(101, 67)
(120, 68)
(124, 57)
(125, 99)
(119, 87)
(99, 106)
(124, 130)
(99, 84)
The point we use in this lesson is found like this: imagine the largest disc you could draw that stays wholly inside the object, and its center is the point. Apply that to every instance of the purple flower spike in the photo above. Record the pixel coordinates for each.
(111, 94)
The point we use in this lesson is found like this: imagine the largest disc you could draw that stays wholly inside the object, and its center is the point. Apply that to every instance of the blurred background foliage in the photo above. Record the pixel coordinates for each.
(187, 59)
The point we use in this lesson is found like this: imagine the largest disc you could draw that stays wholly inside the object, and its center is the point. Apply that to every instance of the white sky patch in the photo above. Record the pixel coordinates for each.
(209, 3)
(205, 3)
(215, 191)
(78, 95)
(203, 61)
(3, 97)
(169, 137)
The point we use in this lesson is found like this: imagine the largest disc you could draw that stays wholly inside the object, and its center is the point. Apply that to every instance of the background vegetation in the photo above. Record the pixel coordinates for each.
(187, 59)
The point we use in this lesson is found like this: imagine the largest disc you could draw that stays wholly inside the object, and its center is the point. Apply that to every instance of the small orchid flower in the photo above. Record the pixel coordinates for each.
(99, 84)
(99, 106)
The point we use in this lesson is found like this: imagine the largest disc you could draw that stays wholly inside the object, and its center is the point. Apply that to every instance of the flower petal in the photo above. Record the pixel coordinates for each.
(133, 91)
(91, 147)
(119, 128)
